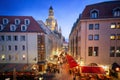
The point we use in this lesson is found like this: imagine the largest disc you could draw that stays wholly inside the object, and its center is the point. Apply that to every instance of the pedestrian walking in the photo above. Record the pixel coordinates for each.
(74, 78)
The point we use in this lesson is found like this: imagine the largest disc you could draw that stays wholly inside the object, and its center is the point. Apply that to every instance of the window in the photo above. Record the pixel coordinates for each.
(95, 53)
(27, 21)
(118, 26)
(1, 27)
(8, 38)
(15, 38)
(16, 57)
(113, 26)
(118, 36)
(16, 47)
(116, 12)
(2, 48)
(90, 51)
(23, 47)
(17, 21)
(94, 14)
(96, 26)
(96, 37)
(23, 27)
(112, 37)
(90, 37)
(12, 27)
(2, 38)
(5, 21)
(90, 26)
(118, 52)
(112, 51)
(3, 57)
(9, 48)
(9, 57)
(22, 38)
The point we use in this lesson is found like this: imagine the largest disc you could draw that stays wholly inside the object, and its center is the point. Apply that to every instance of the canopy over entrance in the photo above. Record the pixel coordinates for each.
(71, 61)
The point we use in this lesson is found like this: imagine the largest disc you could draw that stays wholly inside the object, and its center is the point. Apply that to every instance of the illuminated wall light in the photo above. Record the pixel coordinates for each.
(112, 37)
(117, 69)
(23, 56)
(113, 26)
(34, 68)
(3, 57)
(117, 51)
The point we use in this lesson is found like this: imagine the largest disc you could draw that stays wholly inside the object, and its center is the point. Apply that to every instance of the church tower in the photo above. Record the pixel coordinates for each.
(51, 22)
(51, 13)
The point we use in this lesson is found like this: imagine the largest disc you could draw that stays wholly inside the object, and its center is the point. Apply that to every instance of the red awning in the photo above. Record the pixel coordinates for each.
(72, 63)
(97, 70)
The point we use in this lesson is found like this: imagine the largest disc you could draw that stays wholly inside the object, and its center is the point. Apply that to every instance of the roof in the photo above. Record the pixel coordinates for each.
(105, 9)
(32, 27)
(51, 8)
(44, 27)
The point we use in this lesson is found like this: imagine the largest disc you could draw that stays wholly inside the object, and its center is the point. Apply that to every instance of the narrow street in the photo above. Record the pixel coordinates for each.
(64, 73)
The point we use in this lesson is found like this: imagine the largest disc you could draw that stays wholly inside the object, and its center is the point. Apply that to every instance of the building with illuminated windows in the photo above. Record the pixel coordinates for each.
(95, 36)
(28, 43)
(21, 42)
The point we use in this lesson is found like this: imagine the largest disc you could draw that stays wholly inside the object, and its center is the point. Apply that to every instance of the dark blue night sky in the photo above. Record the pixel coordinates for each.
(66, 11)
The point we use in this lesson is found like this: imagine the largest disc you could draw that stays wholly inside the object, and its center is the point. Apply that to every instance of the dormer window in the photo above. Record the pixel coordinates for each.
(23, 27)
(27, 21)
(5, 21)
(17, 21)
(116, 12)
(94, 14)
(12, 27)
(1, 27)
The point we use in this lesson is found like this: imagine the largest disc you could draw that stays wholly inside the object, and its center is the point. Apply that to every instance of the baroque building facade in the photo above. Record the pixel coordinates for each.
(56, 34)
(95, 36)
(51, 22)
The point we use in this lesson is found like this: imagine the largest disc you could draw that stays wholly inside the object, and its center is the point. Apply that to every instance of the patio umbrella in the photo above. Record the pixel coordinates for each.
(71, 61)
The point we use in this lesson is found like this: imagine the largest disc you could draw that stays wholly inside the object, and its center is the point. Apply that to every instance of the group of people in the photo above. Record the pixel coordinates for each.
(87, 76)
(52, 68)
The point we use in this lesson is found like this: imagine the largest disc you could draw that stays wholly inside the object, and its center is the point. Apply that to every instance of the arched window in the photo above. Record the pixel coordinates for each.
(94, 13)
(27, 21)
(17, 21)
(23, 27)
(116, 12)
(5, 21)
(12, 27)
